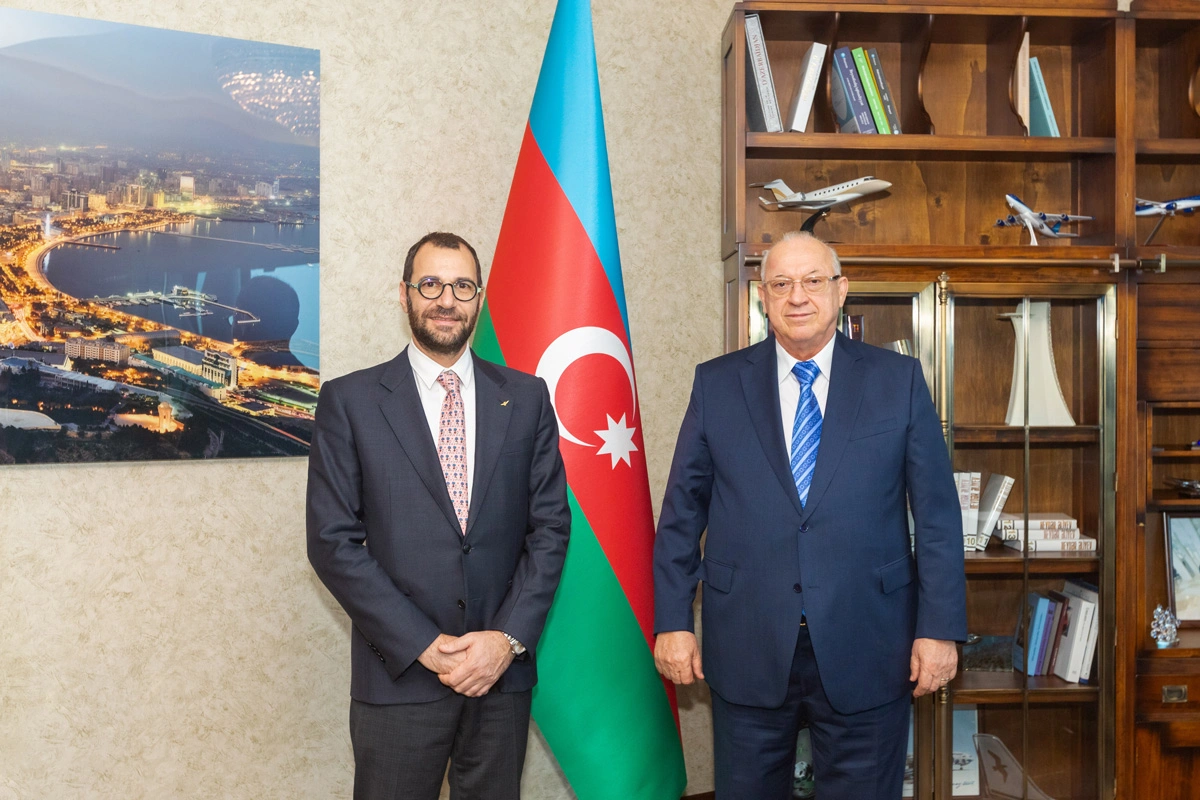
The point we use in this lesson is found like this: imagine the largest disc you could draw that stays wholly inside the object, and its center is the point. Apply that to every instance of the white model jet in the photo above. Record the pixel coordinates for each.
(1168, 208)
(819, 199)
(1037, 221)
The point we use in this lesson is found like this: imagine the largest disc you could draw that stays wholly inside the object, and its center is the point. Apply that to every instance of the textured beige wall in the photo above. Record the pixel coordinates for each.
(161, 634)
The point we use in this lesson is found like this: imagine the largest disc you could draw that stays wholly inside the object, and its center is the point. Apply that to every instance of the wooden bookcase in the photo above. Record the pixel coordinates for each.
(926, 264)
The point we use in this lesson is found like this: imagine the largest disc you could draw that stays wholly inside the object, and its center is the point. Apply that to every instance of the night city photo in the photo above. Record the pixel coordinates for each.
(159, 243)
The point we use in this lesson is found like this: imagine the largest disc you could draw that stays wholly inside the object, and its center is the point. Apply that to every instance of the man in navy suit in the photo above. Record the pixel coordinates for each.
(438, 518)
(798, 455)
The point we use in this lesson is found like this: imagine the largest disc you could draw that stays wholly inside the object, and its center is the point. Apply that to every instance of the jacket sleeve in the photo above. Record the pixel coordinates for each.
(523, 612)
(683, 519)
(942, 588)
(393, 625)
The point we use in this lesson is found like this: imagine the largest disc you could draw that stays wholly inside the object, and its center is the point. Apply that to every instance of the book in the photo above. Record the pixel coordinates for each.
(1037, 519)
(1021, 81)
(991, 504)
(1044, 645)
(971, 525)
(1029, 633)
(1041, 114)
(1086, 591)
(1084, 544)
(762, 107)
(1062, 604)
(1074, 638)
(846, 93)
(962, 482)
(806, 87)
(1038, 534)
(885, 94)
(870, 90)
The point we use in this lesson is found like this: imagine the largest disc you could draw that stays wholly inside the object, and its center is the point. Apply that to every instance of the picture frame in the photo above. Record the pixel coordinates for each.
(1181, 534)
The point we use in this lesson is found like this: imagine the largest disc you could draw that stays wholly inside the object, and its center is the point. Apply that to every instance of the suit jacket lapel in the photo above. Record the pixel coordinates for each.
(402, 409)
(841, 410)
(760, 384)
(493, 410)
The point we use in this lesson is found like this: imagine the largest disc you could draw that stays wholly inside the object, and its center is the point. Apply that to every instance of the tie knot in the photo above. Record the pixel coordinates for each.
(806, 372)
(449, 380)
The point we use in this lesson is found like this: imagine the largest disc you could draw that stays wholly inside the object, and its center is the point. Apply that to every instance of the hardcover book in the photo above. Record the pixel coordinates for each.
(806, 87)
(1041, 115)
(991, 504)
(1061, 615)
(1086, 591)
(1074, 638)
(1038, 534)
(762, 107)
(1037, 519)
(872, 92)
(846, 93)
(885, 94)
(1084, 544)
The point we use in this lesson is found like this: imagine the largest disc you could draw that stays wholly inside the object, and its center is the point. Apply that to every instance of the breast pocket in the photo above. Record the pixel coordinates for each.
(876, 428)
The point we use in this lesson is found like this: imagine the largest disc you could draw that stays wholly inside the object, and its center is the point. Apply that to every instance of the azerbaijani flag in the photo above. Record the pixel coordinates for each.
(556, 307)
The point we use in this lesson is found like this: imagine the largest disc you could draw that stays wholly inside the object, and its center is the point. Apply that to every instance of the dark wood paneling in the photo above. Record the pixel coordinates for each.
(1168, 374)
(1169, 313)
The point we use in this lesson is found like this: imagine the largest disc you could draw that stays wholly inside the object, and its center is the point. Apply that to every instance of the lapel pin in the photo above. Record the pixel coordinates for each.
(504, 403)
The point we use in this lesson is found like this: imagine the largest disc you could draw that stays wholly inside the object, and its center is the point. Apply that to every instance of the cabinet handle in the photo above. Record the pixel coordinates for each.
(1175, 694)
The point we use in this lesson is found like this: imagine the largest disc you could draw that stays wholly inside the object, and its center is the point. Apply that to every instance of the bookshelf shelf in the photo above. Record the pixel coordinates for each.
(1169, 147)
(1011, 434)
(927, 147)
(1167, 499)
(1001, 560)
(1008, 687)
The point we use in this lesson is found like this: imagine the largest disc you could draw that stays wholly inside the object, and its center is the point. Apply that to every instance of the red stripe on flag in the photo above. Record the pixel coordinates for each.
(545, 281)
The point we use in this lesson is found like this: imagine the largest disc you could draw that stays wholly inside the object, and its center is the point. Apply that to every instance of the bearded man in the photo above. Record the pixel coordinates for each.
(438, 519)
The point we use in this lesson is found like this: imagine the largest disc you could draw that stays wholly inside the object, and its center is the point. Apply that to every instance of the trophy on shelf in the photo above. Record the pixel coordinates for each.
(1164, 628)
(1047, 406)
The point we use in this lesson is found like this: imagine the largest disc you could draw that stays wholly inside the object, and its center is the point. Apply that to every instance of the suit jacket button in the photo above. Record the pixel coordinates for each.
(462, 603)
(804, 528)
(466, 548)
(796, 588)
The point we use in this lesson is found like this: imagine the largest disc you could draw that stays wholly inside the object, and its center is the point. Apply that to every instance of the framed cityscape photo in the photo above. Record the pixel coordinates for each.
(1182, 535)
(159, 243)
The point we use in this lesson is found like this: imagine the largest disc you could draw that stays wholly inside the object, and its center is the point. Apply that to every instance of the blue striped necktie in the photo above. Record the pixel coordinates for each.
(806, 430)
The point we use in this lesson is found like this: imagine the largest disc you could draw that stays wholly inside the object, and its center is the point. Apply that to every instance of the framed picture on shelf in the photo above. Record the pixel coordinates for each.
(1182, 536)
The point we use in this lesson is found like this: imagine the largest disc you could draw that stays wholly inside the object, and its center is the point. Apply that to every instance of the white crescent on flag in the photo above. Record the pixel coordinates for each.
(569, 348)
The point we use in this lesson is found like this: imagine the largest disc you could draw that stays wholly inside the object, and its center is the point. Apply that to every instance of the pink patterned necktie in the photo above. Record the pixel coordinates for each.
(452, 446)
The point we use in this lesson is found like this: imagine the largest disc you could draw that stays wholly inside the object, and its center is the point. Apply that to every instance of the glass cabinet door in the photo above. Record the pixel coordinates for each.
(895, 315)
(1029, 413)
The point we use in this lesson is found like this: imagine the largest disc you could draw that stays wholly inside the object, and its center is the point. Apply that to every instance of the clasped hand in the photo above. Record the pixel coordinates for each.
(469, 664)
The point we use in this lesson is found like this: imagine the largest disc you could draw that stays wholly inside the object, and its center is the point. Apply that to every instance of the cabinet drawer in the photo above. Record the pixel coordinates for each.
(1161, 697)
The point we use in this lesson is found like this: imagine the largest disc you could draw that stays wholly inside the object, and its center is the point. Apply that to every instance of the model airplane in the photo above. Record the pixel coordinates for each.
(819, 199)
(1168, 208)
(1037, 221)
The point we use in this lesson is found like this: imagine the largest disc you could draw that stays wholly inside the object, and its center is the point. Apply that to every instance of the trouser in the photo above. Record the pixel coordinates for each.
(401, 751)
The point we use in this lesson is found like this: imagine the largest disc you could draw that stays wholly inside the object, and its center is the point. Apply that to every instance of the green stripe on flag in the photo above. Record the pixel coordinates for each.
(599, 700)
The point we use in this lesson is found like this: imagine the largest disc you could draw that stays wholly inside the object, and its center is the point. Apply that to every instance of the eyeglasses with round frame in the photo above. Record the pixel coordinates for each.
(813, 285)
(463, 289)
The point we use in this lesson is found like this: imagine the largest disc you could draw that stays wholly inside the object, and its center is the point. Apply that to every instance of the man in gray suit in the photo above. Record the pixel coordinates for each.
(438, 518)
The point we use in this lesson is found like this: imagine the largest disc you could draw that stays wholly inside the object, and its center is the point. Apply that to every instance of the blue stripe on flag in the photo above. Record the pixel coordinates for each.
(568, 123)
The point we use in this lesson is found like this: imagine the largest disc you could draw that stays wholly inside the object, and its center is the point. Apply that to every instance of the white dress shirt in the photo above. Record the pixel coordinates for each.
(789, 385)
(426, 372)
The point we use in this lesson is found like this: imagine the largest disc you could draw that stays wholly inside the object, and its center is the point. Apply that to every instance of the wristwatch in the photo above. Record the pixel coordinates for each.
(516, 647)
